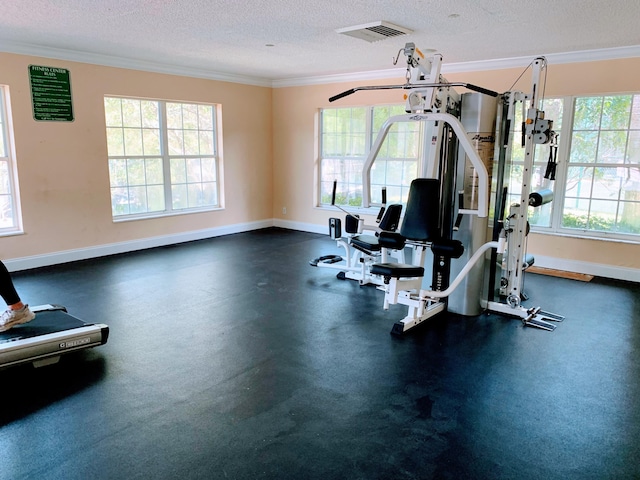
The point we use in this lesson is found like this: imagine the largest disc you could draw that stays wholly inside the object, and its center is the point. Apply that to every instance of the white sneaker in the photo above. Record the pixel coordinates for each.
(11, 318)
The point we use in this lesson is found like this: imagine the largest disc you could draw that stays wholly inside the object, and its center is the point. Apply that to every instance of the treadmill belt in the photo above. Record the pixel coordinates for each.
(45, 322)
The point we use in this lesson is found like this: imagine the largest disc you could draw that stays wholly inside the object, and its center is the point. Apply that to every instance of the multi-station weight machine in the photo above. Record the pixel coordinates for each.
(475, 266)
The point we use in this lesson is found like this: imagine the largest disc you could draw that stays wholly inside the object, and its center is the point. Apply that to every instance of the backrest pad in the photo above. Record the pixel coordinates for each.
(391, 218)
(421, 216)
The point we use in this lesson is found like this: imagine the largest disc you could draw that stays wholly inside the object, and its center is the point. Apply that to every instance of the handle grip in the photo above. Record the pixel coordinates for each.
(478, 89)
(342, 95)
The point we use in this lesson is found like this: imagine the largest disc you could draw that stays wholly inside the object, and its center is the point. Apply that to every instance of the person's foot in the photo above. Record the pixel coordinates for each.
(11, 318)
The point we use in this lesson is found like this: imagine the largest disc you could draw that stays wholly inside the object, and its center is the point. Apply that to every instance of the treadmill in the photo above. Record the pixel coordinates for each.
(48, 336)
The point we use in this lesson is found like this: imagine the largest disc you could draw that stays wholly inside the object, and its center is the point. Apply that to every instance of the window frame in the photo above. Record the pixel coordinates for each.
(559, 187)
(9, 158)
(569, 126)
(166, 157)
(560, 183)
(369, 137)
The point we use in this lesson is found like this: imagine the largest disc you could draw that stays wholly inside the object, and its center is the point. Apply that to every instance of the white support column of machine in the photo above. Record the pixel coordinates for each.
(478, 118)
(537, 130)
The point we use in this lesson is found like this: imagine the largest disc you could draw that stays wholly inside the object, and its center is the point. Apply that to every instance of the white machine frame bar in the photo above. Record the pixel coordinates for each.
(476, 161)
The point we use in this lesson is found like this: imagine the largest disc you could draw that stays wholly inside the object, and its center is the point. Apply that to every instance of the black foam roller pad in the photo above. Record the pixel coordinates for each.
(448, 248)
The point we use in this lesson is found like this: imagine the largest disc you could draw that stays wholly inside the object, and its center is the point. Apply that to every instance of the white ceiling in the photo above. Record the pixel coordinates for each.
(230, 38)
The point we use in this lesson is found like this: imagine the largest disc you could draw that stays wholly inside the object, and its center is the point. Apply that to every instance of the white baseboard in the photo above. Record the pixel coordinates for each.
(303, 227)
(597, 269)
(36, 261)
(576, 266)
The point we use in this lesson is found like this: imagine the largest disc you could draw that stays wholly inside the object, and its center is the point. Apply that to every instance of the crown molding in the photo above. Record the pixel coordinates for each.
(129, 63)
(552, 59)
(340, 78)
(394, 73)
(482, 65)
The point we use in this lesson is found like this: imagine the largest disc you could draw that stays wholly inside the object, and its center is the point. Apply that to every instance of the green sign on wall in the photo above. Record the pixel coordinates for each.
(51, 93)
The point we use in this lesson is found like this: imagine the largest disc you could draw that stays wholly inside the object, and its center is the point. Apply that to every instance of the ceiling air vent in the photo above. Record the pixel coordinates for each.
(373, 32)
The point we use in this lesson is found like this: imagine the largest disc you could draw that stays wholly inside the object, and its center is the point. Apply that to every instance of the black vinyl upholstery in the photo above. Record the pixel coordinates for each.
(421, 217)
(391, 240)
(392, 270)
(448, 248)
(389, 222)
(391, 218)
(366, 243)
(420, 224)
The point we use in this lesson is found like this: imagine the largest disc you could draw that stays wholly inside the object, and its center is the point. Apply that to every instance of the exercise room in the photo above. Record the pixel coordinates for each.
(319, 240)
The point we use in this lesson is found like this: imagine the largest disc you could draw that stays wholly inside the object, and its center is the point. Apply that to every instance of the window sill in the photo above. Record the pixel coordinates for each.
(11, 233)
(585, 236)
(352, 210)
(148, 216)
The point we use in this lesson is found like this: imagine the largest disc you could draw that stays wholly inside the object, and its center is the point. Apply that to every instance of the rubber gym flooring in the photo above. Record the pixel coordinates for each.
(232, 358)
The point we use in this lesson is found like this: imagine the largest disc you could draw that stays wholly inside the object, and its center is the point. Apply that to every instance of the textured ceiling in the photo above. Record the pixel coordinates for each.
(231, 37)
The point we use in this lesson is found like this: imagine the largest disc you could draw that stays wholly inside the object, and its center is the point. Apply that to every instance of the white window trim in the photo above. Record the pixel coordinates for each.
(370, 137)
(564, 151)
(10, 158)
(559, 184)
(166, 161)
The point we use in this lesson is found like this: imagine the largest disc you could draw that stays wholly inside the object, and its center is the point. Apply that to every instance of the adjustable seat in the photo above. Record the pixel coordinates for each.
(420, 229)
(419, 226)
(370, 244)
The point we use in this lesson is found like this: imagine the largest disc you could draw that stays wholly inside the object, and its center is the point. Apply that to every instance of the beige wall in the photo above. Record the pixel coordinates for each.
(612, 76)
(295, 113)
(269, 153)
(295, 110)
(62, 167)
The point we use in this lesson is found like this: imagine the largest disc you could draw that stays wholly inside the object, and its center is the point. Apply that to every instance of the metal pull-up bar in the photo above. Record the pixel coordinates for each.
(414, 86)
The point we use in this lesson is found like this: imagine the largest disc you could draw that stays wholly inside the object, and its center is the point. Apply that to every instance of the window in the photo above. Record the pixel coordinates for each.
(597, 187)
(397, 161)
(343, 151)
(602, 186)
(9, 214)
(597, 180)
(347, 135)
(162, 157)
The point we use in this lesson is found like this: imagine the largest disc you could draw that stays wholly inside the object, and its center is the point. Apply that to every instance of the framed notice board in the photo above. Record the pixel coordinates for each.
(51, 93)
